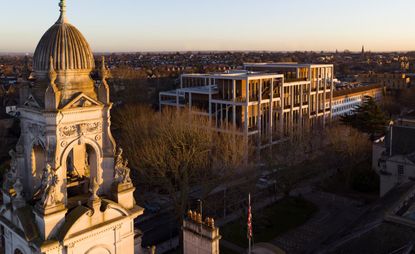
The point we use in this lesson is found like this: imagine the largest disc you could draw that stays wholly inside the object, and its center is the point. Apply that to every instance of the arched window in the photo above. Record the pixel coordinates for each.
(81, 164)
(38, 158)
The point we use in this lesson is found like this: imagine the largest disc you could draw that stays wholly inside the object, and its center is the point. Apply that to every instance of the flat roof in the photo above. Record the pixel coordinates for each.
(355, 90)
(286, 65)
(195, 90)
(235, 74)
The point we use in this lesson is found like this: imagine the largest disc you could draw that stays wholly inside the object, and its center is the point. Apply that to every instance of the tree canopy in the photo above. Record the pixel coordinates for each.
(367, 118)
(177, 152)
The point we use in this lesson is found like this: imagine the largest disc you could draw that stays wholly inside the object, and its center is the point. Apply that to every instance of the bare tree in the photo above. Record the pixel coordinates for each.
(302, 144)
(176, 151)
(348, 148)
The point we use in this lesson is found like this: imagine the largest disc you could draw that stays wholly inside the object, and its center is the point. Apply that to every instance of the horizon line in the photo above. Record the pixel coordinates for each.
(222, 51)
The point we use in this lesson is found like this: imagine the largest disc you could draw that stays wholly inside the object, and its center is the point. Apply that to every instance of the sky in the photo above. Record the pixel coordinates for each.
(191, 25)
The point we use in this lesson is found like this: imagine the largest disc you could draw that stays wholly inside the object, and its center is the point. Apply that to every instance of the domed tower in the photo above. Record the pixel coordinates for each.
(65, 49)
(68, 189)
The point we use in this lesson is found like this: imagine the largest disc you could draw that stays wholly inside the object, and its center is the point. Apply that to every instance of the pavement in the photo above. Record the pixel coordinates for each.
(157, 229)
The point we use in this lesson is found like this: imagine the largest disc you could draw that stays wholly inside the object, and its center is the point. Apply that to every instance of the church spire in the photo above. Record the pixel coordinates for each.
(62, 5)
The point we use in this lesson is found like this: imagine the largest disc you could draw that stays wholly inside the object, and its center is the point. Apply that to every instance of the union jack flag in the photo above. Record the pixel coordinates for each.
(249, 222)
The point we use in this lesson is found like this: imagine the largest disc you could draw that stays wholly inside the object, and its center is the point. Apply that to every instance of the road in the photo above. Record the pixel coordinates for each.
(157, 229)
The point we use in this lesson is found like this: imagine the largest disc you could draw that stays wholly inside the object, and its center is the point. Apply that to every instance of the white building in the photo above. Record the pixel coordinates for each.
(345, 101)
(265, 102)
(394, 155)
(67, 190)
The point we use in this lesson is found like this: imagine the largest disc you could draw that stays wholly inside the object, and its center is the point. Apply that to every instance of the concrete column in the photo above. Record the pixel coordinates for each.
(246, 107)
(324, 95)
(233, 106)
(292, 108)
(318, 89)
(210, 101)
(310, 79)
(271, 115)
(260, 112)
(282, 117)
(331, 92)
(301, 104)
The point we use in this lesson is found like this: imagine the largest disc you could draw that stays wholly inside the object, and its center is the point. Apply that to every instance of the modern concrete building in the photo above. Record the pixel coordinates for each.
(67, 190)
(265, 102)
(346, 100)
(308, 87)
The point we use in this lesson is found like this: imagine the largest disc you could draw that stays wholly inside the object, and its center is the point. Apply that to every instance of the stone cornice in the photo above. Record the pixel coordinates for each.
(73, 110)
(94, 231)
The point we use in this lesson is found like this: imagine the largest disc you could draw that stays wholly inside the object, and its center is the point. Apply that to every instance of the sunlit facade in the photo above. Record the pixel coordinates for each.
(265, 102)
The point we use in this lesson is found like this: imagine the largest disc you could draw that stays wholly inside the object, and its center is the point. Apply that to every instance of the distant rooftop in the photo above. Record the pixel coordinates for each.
(286, 65)
(350, 91)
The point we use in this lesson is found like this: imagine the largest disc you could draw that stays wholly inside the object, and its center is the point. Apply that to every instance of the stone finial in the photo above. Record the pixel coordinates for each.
(104, 72)
(62, 6)
(211, 223)
(193, 216)
(199, 218)
(52, 72)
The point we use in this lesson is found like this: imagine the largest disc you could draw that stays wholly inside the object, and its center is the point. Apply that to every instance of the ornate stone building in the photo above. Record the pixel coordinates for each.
(200, 236)
(68, 189)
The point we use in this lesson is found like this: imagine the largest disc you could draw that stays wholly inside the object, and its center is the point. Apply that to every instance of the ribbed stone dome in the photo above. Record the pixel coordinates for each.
(67, 46)
(71, 57)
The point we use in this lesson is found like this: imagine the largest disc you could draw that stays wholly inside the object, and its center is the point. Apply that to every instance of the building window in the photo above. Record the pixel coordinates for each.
(401, 170)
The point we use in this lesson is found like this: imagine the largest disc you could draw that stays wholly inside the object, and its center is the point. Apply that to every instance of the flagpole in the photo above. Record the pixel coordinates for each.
(250, 220)
(249, 246)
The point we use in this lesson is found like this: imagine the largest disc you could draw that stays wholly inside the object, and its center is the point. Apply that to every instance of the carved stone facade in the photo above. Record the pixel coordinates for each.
(64, 193)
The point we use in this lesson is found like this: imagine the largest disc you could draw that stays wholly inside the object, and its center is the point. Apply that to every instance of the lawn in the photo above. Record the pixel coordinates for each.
(224, 250)
(360, 182)
(272, 221)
